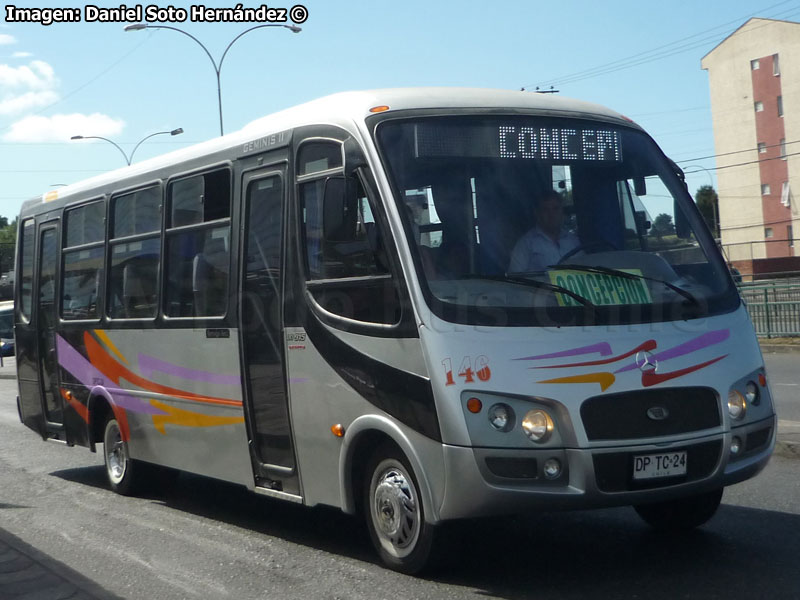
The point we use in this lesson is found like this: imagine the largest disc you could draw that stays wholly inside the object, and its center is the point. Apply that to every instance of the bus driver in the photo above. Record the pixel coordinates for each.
(547, 242)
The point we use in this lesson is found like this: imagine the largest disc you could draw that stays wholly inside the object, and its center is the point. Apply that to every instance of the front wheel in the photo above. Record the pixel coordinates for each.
(682, 514)
(395, 513)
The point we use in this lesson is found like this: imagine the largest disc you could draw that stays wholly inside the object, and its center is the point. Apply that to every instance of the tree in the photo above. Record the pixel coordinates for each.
(708, 204)
(8, 240)
(662, 226)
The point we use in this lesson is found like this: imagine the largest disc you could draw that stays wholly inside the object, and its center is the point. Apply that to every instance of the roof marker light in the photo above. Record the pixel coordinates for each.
(379, 109)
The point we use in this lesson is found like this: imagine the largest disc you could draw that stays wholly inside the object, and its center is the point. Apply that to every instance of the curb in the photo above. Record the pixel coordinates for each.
(787, 449)
(780, 348)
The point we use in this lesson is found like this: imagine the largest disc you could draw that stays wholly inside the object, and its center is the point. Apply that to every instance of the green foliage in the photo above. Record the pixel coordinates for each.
(662, 226)
(8, 240)
(708, 204)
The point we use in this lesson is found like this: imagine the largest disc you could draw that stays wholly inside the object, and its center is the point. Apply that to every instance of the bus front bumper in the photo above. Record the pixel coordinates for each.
(489, 481)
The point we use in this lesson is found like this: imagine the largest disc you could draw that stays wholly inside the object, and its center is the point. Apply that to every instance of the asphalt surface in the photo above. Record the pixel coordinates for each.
(30, 571)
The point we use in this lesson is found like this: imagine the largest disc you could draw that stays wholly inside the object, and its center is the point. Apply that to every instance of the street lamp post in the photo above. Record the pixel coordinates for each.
(217, 65)
(128, 159)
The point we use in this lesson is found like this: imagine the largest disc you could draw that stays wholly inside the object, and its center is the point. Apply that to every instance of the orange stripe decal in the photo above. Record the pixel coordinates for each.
(605, 380)
(104, 363)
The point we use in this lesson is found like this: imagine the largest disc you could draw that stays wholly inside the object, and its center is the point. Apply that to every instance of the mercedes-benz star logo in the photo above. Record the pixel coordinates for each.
(646, 362)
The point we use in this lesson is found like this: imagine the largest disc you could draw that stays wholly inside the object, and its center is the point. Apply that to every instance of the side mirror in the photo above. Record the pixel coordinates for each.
(642, 224)
(340, 209)
(639, 186)
(354, 158)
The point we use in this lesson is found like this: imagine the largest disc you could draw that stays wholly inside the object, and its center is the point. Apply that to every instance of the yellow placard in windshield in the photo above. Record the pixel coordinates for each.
(601, 289)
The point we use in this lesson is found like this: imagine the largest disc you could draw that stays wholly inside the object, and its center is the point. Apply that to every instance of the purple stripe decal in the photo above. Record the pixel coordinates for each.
(603, 348)
(82, 370)
(149, 364)
(703, 341)
(135, 404)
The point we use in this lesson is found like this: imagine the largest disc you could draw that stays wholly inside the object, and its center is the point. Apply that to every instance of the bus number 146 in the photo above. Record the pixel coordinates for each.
(466, 371)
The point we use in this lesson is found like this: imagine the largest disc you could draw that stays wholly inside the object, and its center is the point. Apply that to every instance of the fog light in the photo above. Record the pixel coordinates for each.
(737, 405)
(538, 426)
(552, 468)
(736, 446)
(751, 393)
(501, 417)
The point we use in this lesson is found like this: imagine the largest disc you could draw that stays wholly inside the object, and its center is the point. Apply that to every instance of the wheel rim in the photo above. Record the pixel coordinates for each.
(116, 453)
(395, 509)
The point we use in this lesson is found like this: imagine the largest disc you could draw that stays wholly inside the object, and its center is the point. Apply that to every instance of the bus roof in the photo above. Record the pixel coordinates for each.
(338, 109)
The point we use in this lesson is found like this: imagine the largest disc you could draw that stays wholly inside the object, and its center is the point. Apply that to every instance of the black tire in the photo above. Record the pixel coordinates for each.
(682, 514)
(122, 471)
(395, 512)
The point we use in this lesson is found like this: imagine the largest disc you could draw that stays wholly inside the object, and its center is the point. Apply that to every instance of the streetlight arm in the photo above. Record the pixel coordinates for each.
(246, 31)
(97, 137)
(173, 132)
(199, 43)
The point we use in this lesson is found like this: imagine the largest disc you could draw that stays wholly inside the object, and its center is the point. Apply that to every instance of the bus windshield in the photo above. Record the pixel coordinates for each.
(523, 220)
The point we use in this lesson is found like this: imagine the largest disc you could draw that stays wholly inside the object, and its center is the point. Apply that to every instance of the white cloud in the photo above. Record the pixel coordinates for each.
(7, 40)
(60, 128)
(22, 54)
(27, 87)
(28, 101)
(38, 75)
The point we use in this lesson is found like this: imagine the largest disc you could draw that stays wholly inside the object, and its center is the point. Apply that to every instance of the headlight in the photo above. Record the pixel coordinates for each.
(501, 417)
(538, 425)
(751, 393)
(737, 405)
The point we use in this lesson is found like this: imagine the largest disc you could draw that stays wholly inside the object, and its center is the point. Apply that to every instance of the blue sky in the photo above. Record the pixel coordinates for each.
(640, 58)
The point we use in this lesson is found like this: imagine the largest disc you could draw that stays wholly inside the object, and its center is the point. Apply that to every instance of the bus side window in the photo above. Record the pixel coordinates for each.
(198, 245)
(135, 250)
(346, 261)
(83, 261)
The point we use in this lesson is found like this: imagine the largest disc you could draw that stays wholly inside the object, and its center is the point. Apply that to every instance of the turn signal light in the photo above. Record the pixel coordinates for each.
(762, 380)
(474, 405)
(337, 430)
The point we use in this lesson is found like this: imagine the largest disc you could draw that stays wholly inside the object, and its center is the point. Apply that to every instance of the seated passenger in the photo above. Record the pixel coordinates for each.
(546, 243)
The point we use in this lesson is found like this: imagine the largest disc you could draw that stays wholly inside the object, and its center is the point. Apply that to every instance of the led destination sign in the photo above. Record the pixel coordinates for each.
(558, 143)
(562, 144)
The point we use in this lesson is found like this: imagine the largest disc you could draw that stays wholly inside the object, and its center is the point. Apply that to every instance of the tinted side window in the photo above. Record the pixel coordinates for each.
(198, 245)
(26, 247)
(135, 213)
(80, 289)
(85, 224)
(135, 259)
(346, 263)
(341, 239)
(319, 156)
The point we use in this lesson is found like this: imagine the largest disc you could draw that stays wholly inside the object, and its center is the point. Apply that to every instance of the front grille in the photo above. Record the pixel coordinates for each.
(614, 471)
(624, 416)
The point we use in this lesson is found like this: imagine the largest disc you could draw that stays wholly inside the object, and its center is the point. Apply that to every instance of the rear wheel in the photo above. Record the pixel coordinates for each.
(682, 514)
(395, 513)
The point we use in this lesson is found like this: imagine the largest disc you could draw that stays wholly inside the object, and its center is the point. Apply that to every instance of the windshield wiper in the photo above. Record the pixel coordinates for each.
(624, 274)
(535, 283)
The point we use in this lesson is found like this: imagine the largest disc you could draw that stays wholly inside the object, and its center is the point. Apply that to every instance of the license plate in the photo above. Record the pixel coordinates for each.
(667, 464)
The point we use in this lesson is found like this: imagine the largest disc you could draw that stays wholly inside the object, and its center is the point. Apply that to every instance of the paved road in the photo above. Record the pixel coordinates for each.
(784, 375)
(208, 540)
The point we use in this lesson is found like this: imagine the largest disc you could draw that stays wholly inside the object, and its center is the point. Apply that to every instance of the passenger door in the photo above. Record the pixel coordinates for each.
(47, 317)
(261, 314)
